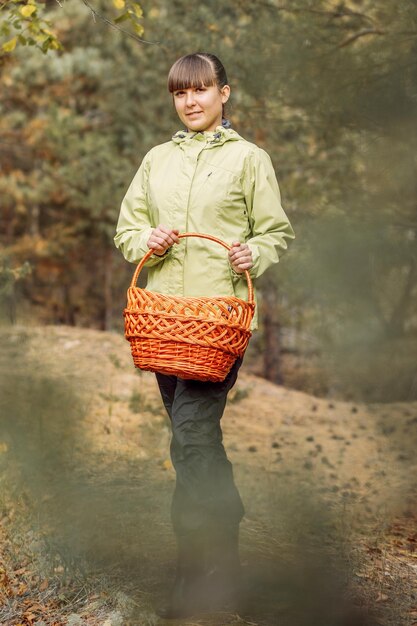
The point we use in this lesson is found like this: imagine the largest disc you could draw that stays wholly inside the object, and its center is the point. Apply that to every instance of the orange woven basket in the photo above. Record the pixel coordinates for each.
(197, 338)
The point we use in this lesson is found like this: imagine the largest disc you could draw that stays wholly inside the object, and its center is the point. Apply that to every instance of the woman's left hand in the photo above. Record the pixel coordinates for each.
(240, 257)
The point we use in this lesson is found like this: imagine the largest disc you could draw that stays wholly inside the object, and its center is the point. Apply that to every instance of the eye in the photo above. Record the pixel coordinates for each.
(200, 89)
(179, 93)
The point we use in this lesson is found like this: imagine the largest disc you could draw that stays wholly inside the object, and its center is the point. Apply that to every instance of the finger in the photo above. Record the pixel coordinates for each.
(166, 239)
(242, 256)
(174, 235)
(243, 266)
(234, 246)
(239, 247)
(159, 244)
(236, 250)
(155, 246)
(169, 241)
(169, 234)
(163, 229)
(160, 239)
(169, 231)
(241, 250)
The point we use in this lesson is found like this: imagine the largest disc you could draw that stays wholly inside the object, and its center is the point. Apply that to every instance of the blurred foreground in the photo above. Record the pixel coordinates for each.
(329, 537)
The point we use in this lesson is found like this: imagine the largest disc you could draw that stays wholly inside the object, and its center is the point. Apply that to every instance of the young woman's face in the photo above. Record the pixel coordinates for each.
(200, 108)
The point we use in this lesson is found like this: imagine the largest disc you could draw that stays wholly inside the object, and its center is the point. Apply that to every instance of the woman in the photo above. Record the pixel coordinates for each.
(206, 179)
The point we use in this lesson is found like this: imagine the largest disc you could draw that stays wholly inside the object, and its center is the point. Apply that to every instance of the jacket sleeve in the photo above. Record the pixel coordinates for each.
(134, 225)
(271, 230)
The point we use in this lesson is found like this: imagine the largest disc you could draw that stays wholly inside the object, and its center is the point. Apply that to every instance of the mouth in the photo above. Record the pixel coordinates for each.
(193, 113)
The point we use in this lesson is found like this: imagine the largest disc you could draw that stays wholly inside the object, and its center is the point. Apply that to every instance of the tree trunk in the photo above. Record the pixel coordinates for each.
(108, 296)
(34, 217)
(272, 335)
(69, 311)
(396, 323)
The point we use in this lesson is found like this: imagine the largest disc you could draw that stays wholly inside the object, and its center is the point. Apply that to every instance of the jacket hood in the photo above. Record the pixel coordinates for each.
(218, 136)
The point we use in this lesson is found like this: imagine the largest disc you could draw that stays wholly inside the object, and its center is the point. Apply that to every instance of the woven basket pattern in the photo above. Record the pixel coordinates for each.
(191, 337)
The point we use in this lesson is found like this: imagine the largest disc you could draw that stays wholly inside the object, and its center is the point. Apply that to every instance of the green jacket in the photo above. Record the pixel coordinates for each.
(209, 182)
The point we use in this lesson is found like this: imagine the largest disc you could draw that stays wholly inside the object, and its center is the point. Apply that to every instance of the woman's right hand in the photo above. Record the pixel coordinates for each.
(162, 238)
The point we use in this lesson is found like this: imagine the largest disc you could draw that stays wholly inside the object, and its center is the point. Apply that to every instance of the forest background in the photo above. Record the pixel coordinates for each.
(328, 89)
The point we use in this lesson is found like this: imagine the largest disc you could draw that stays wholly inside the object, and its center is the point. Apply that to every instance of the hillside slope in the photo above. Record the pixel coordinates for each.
(329, 487)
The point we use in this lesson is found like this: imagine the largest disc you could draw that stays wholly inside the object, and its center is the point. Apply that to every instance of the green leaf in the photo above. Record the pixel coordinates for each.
(46, 44)
(122, 18)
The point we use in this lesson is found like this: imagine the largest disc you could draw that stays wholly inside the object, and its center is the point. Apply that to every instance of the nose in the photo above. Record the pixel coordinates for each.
(189, 99)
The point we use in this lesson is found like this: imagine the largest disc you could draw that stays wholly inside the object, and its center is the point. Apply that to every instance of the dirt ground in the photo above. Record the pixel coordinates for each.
(330, 532)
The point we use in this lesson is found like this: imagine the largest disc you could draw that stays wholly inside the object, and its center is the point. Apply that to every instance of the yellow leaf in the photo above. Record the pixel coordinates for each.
(27, 10)
(3, 447)
(139, 29)
(119, 4)
(54, 44)
(137, 9)
(167, 464)
(10, 45)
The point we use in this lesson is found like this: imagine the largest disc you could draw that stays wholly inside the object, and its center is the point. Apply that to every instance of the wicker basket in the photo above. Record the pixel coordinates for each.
(190, 337)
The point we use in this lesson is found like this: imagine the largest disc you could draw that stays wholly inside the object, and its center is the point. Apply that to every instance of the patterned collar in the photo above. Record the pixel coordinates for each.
(218, 136)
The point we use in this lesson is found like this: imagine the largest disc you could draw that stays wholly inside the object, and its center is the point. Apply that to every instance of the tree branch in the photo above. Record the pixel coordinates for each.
(342, 12)
(362, 33)
(115, 26)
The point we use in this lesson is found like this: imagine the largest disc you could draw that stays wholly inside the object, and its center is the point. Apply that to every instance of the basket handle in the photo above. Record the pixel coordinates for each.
(219, 241)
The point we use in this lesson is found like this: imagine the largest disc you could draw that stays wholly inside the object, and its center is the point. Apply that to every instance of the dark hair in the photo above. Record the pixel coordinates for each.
(195, 70)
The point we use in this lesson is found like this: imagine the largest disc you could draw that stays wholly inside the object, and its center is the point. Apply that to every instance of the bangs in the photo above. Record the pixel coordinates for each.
(191, 71)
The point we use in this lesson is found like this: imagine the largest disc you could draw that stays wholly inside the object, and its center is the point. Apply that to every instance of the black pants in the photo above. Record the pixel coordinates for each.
(205, 493)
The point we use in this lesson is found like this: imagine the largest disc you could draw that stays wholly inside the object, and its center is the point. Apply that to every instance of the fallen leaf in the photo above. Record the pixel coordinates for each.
(382, 597)
(36, 607)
